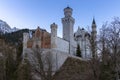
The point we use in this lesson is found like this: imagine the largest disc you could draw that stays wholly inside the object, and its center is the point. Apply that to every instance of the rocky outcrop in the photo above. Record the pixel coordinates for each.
(73, 69)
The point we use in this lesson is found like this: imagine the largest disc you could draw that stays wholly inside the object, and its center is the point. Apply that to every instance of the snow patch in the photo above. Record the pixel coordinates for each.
(5, 28)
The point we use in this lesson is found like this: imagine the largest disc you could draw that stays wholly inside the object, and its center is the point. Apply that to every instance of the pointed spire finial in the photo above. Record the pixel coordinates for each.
(93, 21)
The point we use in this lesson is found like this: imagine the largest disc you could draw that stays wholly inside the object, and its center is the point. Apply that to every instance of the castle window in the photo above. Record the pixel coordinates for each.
(79, 36)
(74, 35)
(37, 46)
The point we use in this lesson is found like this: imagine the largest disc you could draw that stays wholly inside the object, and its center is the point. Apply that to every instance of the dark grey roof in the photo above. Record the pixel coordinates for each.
(93, 21)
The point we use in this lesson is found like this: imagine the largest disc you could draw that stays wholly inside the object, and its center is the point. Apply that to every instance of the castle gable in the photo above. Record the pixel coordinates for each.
(40, 39)
(38, 33)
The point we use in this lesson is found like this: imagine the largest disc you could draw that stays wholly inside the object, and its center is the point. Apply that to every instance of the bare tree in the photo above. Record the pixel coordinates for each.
(103, 48)
(110, 45)
(105, 64)
(7, 61)
(42, 63)
(2, 67)
(24, 70)
(94, 62)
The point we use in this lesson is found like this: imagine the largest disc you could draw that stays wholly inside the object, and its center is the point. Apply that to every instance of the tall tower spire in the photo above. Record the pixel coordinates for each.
(94, 31)
(68, 23)
(93, 39)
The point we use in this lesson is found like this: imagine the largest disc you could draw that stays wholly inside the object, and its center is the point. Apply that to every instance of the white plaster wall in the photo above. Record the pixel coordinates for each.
(56, 57)
(73, 46)
(59, 58)
(85, 48)
(62, 45)
(25, 39)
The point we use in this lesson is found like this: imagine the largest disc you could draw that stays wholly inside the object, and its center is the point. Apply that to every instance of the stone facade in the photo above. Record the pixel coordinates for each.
(82, 38)
(39, 39)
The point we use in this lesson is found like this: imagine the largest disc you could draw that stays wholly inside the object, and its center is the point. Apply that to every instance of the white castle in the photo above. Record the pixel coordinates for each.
(67, 44)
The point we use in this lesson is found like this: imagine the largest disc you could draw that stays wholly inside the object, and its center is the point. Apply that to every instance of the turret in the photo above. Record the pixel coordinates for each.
(93, 39)
(53, 35)
(94, 31)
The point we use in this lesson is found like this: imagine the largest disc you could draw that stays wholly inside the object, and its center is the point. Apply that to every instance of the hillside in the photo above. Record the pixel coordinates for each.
(73, 69)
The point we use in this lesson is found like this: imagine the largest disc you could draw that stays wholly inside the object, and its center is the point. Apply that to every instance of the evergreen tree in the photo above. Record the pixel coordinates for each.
(24, 72)
(78, 52)
(10, 66)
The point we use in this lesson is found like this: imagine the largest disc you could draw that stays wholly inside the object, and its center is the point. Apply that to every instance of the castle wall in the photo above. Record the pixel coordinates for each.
(29, 44)
(45, 40)
(56, 57)
(62, 45)
(25, 40)
(40, 38)
(73, 47)
(85, 48)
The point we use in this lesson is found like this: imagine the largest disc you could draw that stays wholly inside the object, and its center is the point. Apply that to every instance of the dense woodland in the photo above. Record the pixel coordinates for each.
(104, 65)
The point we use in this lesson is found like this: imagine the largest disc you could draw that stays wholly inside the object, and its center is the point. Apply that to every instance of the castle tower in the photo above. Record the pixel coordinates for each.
(68, 23)
(53, 35)
(93, 39)
(25, 40)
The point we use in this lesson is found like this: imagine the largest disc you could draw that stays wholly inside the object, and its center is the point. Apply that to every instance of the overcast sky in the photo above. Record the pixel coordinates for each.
(33, 13)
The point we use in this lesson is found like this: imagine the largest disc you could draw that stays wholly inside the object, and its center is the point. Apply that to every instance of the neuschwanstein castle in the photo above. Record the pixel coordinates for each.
(68, 44)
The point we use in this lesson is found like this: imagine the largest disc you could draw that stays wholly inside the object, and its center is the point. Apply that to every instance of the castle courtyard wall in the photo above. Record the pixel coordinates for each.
(62, 45)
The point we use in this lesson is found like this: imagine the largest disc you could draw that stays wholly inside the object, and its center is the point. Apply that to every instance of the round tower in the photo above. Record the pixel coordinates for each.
(53, 35)
(68, 23)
